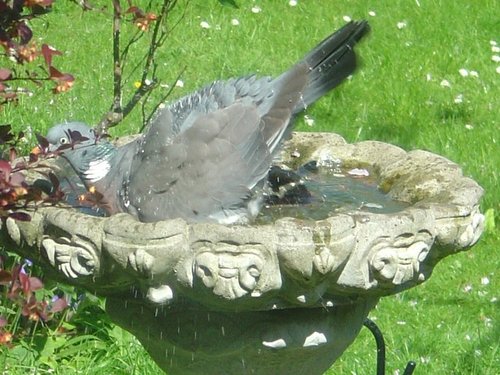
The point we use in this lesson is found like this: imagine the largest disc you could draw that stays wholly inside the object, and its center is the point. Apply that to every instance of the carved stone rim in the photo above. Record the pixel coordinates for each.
(289, 263)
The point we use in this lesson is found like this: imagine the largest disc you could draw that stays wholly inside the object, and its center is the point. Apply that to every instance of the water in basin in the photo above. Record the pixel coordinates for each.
(331, 189)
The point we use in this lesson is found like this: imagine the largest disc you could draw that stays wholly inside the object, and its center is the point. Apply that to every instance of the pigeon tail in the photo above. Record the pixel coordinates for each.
(331, 61)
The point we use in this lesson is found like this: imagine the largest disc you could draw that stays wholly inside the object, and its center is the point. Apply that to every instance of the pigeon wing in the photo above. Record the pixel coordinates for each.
(207, 170)
(212, 169)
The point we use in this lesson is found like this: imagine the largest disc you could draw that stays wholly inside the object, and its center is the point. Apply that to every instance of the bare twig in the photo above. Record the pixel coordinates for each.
(118, 111)
(117, 72)
(115, 114)
(160, 102)
(158, 38)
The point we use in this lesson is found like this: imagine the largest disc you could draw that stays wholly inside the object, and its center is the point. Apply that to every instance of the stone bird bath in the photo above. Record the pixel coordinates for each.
(281, 298)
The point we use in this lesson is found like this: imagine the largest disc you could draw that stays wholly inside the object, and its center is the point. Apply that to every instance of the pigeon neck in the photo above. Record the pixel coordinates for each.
(92, 162)
(98, 166)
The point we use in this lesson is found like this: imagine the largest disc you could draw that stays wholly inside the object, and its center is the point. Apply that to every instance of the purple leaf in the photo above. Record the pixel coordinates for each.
(21, 216)
(54, 180)
(76, 136)
(5, 169)
(24, 32)
(42, 142)
(5, 134)
(59, 305)
(47, 53)
(5, 74)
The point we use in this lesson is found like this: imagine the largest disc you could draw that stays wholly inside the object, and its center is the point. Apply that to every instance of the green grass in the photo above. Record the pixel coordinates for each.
(395, 97)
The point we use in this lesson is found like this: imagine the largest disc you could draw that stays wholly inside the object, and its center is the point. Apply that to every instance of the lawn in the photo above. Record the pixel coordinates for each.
(428, 79)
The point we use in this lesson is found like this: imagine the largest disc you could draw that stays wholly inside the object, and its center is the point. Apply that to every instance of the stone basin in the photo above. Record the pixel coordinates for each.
(286, 297)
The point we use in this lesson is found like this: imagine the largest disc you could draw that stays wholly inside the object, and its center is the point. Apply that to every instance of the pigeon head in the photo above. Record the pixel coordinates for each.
(79, 145)
(70, 135)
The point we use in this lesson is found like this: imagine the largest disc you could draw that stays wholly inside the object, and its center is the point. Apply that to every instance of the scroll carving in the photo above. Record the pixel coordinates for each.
(74, 257)
(473, 230)
(399, 261)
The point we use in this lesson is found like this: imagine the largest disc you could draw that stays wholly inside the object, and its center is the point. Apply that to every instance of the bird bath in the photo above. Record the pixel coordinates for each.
(286, 296)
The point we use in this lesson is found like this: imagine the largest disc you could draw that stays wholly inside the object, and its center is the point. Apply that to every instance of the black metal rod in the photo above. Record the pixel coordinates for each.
(410, 367)
(379, 339)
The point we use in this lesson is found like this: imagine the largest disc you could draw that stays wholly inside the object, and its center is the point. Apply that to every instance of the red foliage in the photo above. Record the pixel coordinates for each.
(21, 290)
(15, 192)
(140, 18)
(16, 38)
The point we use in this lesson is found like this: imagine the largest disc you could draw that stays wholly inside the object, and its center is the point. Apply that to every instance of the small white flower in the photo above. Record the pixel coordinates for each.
(428, 77)
(467, 288)
(372, 13)
(413, 303)
(495, 58)
(463, 72)
(445, 83)
(459, 99)
(498, 69)
(493, 43)
(235, 22)
(401, 322)
(347, 18)
(474, 74)
(401, 25)
(485, 280)
(478, 353)
(293, 3)
(256, 9)
(425, 359)
(495, 49)
(468, 127)
(493, 299)
(204, 25)
(179, 83)
(308, 120)
(468, 338)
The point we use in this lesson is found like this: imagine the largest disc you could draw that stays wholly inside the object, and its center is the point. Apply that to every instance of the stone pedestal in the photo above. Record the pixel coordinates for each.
(192, 340)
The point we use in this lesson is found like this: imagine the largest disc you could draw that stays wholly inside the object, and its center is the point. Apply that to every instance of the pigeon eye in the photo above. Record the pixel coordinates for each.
(63, 140)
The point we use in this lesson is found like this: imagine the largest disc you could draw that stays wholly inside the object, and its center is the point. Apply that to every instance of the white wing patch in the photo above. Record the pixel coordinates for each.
(97, 170)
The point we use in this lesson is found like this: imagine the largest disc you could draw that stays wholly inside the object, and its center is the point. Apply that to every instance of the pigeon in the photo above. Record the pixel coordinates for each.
(206, 157)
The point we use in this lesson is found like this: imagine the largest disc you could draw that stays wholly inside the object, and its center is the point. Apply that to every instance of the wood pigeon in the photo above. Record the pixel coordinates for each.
(206, 156)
